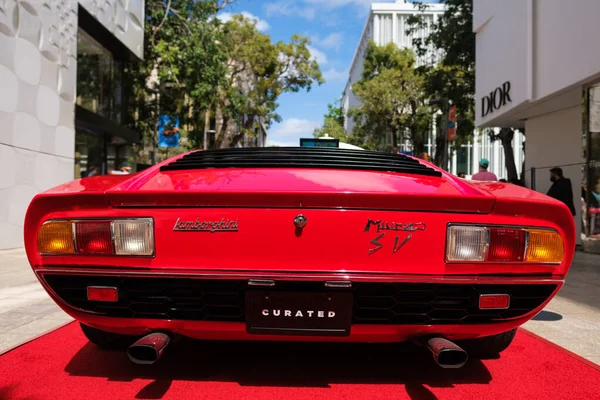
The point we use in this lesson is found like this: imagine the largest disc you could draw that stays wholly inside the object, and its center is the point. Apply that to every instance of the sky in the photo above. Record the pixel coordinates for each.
(334, 28)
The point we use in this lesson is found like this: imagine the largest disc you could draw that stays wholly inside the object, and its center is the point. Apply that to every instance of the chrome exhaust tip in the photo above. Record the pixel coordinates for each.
(447, 354)
(148, 349)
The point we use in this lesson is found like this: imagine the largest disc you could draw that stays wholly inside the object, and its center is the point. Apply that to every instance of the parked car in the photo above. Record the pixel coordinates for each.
(321, 244)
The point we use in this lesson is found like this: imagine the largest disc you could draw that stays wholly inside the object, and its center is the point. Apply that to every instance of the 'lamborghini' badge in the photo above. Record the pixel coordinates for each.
(224, 225)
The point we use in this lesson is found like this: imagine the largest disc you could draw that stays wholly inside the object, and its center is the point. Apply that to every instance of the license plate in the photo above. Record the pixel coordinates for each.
(298, 313)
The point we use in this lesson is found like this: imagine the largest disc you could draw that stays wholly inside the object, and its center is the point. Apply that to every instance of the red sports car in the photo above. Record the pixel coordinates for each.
(314, 244)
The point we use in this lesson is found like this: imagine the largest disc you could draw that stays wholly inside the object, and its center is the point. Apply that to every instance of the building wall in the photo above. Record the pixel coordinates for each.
(38, 69)
(544, 48)
(349, 100)
(502, 51)
(568, 55)
(555, 140)
(123, 18)
(38, 47)
(387, 23)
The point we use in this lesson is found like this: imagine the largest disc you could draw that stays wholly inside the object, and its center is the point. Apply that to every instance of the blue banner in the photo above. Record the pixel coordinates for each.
(168, 131)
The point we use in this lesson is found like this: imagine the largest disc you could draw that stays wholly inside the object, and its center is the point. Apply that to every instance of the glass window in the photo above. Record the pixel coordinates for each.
(99, 78)
(590, 190)
(462, 160)
(89, 154)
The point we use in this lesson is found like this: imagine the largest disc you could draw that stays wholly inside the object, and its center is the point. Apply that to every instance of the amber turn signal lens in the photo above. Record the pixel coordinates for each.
(544, 246)
(56, 238)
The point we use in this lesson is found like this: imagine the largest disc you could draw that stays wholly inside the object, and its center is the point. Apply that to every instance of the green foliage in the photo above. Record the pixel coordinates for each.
(184, 65)
(333, 123)
(380, 58)
(392, 99)
(336, 112)
(332, 128)
(454, 76)
(195, 65)
(259, 72)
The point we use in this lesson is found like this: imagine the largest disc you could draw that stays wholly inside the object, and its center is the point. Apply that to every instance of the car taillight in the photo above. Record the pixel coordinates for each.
(93, 237)
(56, 237)
(506, 245)
(133, 237)
(503, 244)
(130, 237)
(544, 246)
(466, 243)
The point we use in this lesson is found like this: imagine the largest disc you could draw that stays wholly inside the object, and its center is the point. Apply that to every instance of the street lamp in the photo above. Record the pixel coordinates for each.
(444, 104)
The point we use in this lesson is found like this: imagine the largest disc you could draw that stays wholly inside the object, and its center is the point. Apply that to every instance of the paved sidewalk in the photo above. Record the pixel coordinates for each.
(26, 310)
(571, 319)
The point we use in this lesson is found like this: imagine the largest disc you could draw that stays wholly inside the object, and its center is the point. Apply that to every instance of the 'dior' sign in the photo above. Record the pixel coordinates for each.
(496, 99)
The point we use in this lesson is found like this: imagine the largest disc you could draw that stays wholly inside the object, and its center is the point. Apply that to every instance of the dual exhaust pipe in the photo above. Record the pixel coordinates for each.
(148, 350)
(446, 353)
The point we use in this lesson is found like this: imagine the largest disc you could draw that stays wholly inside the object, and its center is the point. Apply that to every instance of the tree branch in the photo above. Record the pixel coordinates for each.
(223, 3)
(176, 13)
(155, 31)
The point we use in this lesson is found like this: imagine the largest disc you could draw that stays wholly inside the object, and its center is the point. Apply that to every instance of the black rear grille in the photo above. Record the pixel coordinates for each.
(432, 303)
(224, 300)
(300, 157)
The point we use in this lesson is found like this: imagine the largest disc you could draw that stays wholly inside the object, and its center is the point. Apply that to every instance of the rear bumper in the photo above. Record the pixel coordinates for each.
(237, 330)
(361, 329)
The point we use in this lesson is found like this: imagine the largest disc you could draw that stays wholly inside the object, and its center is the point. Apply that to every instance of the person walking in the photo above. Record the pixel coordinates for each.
(484, 174)
(424, 156)
(561, 188)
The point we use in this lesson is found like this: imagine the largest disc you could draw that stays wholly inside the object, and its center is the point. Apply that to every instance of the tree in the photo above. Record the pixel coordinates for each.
(392, 98)
(332, 128)
(505, 135)
(336, 112)
(259, 71)
(333, 123)
(454, 76)
(184, 65)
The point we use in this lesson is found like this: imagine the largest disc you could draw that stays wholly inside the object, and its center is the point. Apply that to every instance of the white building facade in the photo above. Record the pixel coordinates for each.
(41, 112)
(548, 53)
(388, 22)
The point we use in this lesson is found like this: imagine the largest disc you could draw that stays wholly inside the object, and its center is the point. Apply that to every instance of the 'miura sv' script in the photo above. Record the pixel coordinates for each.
(379, 225)
(224, 225)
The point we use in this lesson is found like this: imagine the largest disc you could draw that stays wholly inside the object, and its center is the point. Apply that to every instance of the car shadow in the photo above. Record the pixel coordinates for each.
(280, 364)
(547, 316)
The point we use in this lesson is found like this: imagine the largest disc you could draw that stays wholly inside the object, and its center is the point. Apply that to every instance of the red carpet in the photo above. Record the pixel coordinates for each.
(63, 365)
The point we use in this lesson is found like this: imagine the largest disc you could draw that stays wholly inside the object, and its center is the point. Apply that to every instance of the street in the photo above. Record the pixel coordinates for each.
(571, 320)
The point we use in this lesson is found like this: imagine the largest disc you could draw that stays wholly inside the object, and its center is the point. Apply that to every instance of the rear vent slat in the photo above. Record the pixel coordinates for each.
(300, 157)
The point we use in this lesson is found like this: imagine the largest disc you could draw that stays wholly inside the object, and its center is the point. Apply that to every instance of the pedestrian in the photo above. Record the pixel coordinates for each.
(484, 174)
(93, 171)
(462, 175)
(395, 150)
(425, 156)
(125, 170)
(561, 188)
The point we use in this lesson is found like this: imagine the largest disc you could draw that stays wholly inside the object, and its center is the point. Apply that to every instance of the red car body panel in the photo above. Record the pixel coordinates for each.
(337, 242)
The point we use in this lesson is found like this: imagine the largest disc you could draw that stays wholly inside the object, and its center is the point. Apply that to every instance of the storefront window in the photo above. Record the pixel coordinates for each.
(462, 160)
(89, 154)
(99, 78)
(590, 190)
